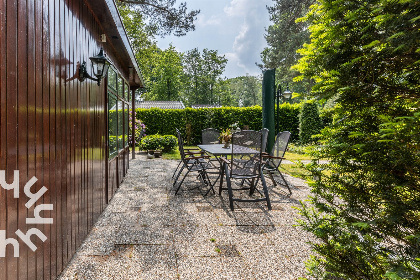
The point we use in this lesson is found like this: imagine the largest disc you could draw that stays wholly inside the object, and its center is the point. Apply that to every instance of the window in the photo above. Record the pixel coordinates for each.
(120, 87)
(127, 92)
(112, 125)
(118, 113)
(126, 124)
(121, 125)
(112, 79)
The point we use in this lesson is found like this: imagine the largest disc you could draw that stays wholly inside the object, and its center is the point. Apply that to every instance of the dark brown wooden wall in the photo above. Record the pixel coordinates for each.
(52, 126)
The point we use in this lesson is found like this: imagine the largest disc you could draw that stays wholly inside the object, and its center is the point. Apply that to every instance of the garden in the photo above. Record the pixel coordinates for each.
(156, 129)
(359, 63)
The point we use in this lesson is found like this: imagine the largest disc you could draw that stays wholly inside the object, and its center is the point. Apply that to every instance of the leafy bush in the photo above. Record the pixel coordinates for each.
(168, 143)
(139, 130)
(309, 122)
(156, 142)
(151, 142)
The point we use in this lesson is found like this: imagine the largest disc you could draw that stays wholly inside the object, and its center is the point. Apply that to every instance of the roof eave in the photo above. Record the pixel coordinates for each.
(109, 19)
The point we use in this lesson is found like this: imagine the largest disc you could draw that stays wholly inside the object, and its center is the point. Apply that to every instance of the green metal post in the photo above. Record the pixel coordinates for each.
(268, 91)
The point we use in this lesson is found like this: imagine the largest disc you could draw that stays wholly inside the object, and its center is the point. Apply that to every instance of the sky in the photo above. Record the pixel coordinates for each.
(235, 28)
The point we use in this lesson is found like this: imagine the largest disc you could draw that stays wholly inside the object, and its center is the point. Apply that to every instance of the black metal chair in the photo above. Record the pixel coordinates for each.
(210, 136)
(275, 157)
(245, 164)
(188, 152)
(265, 137)
(192, 163)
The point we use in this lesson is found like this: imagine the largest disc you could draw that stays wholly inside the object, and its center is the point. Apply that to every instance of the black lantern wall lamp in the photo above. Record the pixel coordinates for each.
(281, 94)
(100, 65)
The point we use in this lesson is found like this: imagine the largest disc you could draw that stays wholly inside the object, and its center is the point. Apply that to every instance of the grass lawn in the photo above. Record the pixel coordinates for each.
(292, 169)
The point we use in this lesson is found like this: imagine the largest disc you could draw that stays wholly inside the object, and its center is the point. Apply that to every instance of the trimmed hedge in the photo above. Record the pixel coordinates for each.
(309, 122)
(192, 121)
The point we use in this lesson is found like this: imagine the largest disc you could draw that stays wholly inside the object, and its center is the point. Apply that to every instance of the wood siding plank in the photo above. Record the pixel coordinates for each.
(54, 127)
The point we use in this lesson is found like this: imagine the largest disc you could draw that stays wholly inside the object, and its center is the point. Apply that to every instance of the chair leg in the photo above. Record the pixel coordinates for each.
(182, 181)
(177, 176)
(211, 186)
(221, 178)
(284, 180)
(265, 191)
(252, 188)
(272, 178)
(173, 175)
(229, 187)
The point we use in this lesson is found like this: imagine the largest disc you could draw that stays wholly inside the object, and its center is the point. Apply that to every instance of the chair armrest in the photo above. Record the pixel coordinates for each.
(224, 159)
(193, 153)
(199, 157)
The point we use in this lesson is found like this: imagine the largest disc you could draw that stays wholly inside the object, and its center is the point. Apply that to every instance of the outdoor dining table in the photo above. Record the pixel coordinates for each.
(218, 150)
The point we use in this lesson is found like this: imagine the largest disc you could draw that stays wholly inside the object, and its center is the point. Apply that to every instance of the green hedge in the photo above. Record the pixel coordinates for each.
(309, 122)
(191, 121)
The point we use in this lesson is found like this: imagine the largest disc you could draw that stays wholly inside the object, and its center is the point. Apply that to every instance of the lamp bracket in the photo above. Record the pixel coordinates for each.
(83, 74)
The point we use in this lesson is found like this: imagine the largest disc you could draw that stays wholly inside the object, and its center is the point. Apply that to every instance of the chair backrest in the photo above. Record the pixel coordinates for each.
(280, 146)
(264, 138)
(180, 144)
(246, 153)
(210, 136)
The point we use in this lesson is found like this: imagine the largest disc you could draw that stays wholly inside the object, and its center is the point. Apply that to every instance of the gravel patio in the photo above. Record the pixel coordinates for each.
(147, 232)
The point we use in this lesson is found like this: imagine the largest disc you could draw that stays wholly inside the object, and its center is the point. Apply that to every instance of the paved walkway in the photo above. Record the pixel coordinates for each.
(147, 232)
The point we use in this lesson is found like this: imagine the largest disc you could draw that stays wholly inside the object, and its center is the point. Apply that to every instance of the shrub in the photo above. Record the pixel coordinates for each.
(139, 130)
(150, 142)
(155, 142)
(168, 143)
(309, 122)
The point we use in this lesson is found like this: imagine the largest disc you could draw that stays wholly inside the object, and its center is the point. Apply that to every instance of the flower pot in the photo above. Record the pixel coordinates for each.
(157, 154)
(150, 154)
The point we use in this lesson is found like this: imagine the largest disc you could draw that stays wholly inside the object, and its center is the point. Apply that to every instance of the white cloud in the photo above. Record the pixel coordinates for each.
(235, 28)
(239, 8)
(203, 21)
(249, 41)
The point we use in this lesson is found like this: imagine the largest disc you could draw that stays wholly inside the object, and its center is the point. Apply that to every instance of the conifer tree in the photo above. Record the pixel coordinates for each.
(365, 208)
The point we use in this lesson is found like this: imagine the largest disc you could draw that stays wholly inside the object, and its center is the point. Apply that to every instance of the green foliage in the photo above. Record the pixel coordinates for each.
(245, 90)
(166, 78)
(139, 129)
(192, 121)
(310, 123)
(162, 17)
(202, 76)
(284, 37)
(365, 209)
(166, 143)
(150, 142)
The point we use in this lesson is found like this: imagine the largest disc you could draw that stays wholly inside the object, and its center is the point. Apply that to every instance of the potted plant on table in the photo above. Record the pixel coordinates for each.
(226, 137)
